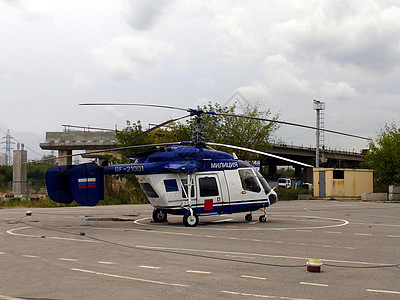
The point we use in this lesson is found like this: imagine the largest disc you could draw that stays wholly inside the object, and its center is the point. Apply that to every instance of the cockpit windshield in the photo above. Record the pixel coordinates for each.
(264, 182)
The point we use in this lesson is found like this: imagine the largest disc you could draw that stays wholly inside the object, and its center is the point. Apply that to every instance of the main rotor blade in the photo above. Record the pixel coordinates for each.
(294, 124)
(136, 104)
(262, 153)
(156, 127)
(106, 150)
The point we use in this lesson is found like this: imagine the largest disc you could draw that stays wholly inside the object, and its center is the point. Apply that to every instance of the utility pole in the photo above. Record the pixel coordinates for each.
(8, 158)
(319, 107)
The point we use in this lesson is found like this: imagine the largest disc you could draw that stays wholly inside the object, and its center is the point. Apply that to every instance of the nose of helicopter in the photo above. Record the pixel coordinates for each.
(273, 198)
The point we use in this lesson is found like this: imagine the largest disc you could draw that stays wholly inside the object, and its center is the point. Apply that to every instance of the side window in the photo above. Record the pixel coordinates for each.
(249, 181)
(208, 187)
(148, 190)
(170, 185)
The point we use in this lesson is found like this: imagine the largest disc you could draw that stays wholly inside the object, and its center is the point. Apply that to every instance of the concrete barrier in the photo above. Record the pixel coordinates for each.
(374, 196)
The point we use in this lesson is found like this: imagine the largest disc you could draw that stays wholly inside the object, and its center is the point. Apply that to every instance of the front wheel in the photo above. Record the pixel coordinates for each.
(189, 220)
(263, 219)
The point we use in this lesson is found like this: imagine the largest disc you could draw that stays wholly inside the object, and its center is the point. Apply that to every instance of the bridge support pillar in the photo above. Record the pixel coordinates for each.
(272, 170)
(64, 157)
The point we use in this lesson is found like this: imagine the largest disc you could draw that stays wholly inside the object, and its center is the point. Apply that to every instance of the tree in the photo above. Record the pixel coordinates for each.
(242, 132)
(383, 157)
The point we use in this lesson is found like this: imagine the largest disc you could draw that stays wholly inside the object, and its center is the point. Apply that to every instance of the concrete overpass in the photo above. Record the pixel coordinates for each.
(67, 141)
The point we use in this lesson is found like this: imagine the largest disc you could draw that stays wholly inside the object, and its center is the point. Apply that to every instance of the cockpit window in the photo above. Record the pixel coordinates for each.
(249, 180)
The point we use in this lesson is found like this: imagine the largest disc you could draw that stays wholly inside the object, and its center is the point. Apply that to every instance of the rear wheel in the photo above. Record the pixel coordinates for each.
(189, 220)
(159, 216)
(248, 217)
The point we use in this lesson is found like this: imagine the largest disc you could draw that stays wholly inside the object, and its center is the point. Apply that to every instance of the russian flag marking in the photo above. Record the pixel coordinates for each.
(87, 183)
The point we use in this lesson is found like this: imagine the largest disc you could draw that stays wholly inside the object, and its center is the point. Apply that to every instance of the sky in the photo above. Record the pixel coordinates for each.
(281, 54)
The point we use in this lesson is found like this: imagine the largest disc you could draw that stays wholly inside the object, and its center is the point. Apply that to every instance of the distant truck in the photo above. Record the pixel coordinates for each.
(289, 182)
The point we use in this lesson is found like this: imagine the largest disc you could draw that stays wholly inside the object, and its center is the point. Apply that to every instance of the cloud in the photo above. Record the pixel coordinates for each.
(361, 33)
(80, 81)
(129, 57)
(283, 77)
(338, 91)
(143, 14)
(236, 39)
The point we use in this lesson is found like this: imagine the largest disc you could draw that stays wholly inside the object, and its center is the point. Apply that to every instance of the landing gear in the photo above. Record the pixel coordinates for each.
(248, 217)
(263, 218)
(190, 220)
(159, 216)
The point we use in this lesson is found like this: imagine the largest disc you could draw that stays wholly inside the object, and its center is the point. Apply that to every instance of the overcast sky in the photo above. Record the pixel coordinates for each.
(283, 54)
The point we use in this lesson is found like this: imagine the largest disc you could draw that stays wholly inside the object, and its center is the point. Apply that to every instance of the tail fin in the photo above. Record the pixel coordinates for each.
(83, 183)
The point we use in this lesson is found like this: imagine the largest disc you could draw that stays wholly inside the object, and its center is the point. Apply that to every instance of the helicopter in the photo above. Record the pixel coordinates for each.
(190, 179)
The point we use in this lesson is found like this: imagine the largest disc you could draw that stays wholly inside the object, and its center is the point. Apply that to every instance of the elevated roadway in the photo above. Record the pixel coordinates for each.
(67, 141)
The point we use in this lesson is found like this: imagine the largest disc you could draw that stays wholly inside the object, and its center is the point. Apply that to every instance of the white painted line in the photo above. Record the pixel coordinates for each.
(12, 232)
(30, 256)
(337, 232)
(67, 259)
(385, 292)
(198, 272)
(393, 236)
(150, 267)
(239, 256)
(255, 240)
(130, 278)
(107, 262)
(363, 234)
(224, 220)
(3, 297)
(233, 238)
(313, 284)
(304, 230)
(259, 255)
(2, 253)
(327, 246)
(253, 277)
(248, 295)
(278, 242)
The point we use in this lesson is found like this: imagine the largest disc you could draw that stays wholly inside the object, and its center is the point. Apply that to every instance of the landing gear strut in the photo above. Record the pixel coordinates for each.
(263, 218)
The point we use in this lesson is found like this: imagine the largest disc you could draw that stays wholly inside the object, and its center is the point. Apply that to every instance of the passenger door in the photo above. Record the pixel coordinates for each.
(209, 195)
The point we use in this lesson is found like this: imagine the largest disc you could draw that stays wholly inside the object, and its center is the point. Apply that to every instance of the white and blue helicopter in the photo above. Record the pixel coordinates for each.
(188, 179)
